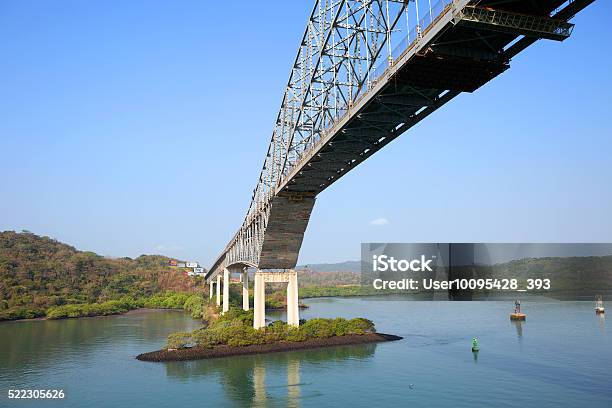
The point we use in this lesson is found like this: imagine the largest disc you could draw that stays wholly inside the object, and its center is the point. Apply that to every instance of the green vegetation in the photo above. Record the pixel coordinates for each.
(235, 328)
(168, 300)
(192, 303)
(276, 299)
(332, 291)
(275, 303)
(309, 277)
(40, 276)
(195, 306)
(95, 309)
(16, 313)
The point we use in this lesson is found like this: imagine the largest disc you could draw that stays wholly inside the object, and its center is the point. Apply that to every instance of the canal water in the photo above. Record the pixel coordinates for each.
(560, 357)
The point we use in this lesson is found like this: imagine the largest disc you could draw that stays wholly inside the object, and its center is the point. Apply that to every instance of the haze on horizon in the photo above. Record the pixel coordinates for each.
(140, 127)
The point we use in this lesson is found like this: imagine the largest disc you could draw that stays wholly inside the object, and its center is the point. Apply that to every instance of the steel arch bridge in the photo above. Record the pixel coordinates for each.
(365, 72)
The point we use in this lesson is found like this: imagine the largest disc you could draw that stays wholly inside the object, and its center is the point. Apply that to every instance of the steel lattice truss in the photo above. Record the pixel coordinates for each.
(343, 44)
(347, 48)
(344, 41)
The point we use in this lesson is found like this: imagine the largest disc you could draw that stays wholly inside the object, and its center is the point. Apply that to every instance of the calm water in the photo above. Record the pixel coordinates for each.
(560, 357)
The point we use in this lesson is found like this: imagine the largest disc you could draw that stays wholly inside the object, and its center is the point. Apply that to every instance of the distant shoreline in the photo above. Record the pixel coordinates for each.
(133, 311)
(196, 353)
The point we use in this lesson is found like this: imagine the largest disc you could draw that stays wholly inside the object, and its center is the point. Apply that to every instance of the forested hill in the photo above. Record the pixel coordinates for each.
(347, 266)
(41, 272)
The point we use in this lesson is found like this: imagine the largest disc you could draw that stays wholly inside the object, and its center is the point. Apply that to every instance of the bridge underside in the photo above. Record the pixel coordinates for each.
(462, 57)
(459, 52)
(465, 46)
(287, 223)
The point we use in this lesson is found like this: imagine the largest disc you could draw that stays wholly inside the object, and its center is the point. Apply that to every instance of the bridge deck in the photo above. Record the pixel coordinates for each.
(450, 58)
(466, 45)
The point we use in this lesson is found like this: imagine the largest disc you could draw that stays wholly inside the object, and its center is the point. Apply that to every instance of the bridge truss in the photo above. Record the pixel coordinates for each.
(366, 71)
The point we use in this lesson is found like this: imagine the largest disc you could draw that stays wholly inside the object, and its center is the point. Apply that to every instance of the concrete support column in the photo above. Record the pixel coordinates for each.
(218, 290)
(259, 318)
(245, 290)
(226, 283)
(293, 311)
(212, 285)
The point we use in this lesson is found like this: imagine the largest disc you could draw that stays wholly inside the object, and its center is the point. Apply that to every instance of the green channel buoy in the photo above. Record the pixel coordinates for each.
(475, 344)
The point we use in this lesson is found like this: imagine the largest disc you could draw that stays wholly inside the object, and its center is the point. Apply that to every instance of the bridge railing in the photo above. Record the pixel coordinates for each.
(543, 26)
(411, 38)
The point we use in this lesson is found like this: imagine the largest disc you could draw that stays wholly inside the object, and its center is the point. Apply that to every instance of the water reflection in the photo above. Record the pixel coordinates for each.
(266, 380)
(602, 322)
(37, 346)
(293, 382)
(259, 385)
(91, 356)
(518, 325)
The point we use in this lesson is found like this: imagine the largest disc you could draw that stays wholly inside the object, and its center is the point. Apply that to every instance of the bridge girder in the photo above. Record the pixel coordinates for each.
(365, 72)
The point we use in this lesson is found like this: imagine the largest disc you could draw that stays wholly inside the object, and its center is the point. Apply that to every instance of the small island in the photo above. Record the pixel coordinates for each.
(232, 334)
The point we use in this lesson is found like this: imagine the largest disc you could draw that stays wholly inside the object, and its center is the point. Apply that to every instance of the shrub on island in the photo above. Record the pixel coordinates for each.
(235, 329)
(179, 340)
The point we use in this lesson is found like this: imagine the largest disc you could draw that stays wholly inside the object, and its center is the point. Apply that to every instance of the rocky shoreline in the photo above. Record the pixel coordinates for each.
(195, 353)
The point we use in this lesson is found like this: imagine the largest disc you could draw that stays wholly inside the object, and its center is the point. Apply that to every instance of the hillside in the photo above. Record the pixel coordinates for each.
(575, 273)
(40, 272)
(347, 266)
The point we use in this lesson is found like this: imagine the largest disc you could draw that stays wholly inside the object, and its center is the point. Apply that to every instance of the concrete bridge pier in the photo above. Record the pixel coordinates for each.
(218, 290)
(259, 304)
(245, 289)
(293, 311)
(226, 283)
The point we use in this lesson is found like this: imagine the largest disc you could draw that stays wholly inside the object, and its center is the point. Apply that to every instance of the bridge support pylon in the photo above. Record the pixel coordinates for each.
(293, 311)
(245, 290)
(218, 290)
(259, 304)
(226, 283)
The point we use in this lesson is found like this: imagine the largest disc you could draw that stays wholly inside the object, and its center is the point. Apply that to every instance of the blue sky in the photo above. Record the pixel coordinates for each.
(141, 127)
